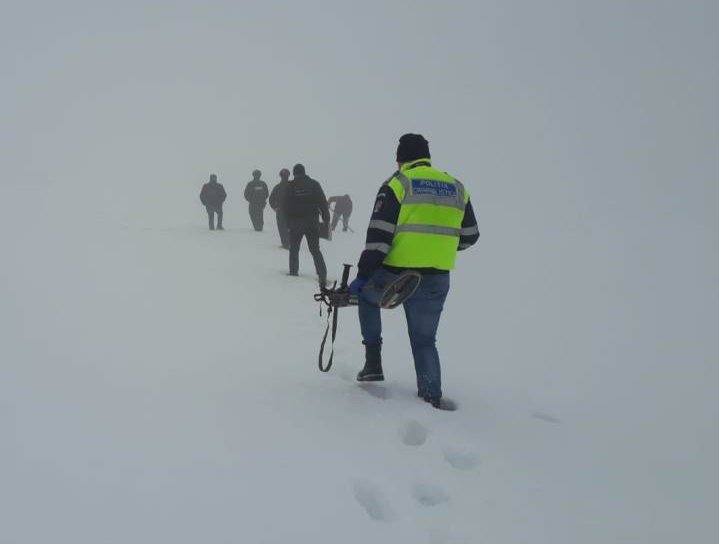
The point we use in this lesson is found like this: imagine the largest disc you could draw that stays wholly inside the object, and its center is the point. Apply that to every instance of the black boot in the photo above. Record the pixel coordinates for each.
(372, 371)
(441, 403)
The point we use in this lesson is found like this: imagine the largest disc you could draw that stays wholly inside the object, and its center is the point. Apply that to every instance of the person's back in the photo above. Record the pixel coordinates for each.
(256, 193)
(422, 217)
(304, 202)
(277, 202)
(343, 204)
(212, 197)
(342, 210)
(213, 193)
(277, 195)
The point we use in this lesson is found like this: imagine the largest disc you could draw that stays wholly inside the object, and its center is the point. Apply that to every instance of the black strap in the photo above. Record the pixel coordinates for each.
(333, 316)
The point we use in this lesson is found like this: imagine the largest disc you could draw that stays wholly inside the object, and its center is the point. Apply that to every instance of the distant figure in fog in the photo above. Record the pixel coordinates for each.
(212, 196)
(304, 203)
(256, 194)
(342, 210)
(276, 203)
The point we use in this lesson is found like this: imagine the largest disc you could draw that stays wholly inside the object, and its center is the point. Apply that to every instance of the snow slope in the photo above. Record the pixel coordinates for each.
(160, 386)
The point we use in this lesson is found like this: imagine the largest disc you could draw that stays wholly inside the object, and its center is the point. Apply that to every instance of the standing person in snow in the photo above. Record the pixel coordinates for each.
(256, 194)
(276, 201)
(421, 218)
(212, 196)
(342, 210)
(304, 203)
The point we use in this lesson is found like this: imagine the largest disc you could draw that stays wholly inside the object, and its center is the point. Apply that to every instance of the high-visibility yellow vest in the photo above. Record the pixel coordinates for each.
(430, 218)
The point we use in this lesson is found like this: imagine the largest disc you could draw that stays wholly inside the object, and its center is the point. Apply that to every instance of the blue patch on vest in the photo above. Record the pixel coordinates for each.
(434, 188)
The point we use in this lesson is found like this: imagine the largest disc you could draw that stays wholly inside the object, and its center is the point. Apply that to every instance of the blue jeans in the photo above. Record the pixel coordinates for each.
(422, 311)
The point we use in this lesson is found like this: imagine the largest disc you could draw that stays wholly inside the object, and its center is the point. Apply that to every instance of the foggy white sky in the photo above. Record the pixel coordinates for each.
(119, 91)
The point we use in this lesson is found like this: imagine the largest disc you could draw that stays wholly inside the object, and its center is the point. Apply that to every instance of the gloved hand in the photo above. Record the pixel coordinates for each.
(357, 285)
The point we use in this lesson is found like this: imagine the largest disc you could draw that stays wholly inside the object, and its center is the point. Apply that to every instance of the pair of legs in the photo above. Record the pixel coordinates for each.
(336, 219)
(312, 233)
(283, 229)
(257, 217)
(211, 211)
(422, 310)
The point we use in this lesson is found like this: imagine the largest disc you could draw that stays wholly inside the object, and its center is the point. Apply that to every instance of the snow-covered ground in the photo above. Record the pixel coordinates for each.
(159, 385)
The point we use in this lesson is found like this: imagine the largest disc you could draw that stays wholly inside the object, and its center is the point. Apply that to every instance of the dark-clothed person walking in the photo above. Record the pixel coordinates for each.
(342, 210)
(421, 218)
(212, 196)
(305, 202)
(256, 194)
(277, 202)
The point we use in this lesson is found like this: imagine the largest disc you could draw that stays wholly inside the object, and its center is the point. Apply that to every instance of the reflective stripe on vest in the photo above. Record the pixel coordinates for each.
(378, 246)
(430, 229)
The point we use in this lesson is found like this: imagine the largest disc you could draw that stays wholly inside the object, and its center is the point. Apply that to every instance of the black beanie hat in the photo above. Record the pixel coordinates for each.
(298, 170)
(412, 147)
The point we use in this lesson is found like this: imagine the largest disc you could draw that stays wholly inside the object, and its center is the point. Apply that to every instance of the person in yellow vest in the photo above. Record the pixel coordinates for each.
(421, 218)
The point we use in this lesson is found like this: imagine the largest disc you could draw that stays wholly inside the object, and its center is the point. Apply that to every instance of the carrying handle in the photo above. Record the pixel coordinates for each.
(331, 330)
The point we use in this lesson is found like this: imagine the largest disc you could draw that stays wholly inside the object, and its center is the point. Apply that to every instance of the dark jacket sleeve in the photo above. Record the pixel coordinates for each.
(265, 193)
(285, 197)
(380, 232)
(247, 191)
(275, 197)
(203, 195)
(322, 204)
(223, 194)
(470, 229)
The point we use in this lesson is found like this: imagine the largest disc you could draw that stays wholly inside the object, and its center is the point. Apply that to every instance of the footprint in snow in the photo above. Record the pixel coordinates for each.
(345, 372)
(429, 495)
(371, 498)
(543, 416)
(461, 460)
(441, 536)
(377, 391)
(413, 433)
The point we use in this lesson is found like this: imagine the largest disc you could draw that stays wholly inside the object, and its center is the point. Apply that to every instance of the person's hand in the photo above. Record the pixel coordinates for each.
(357, 285)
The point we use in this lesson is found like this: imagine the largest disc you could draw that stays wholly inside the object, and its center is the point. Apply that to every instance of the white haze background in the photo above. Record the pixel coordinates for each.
(158, 381)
